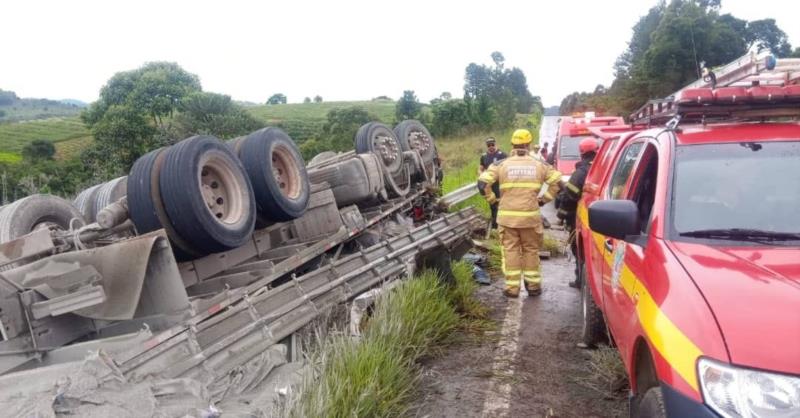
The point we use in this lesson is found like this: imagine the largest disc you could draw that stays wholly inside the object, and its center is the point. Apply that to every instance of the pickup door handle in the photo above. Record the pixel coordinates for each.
(609, 246)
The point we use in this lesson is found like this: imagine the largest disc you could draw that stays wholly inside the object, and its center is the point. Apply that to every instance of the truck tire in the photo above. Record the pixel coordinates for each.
(145, 207)
(206, 194)
(594, 327)
(109, 193)
(235, 143)
(278, 175)
(85, 202)
(413, 135)
(651, 405)
(37, 211)
(378, 139)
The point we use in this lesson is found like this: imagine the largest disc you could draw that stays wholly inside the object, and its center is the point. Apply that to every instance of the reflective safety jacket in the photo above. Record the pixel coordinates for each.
(521, 177)
(571, 194)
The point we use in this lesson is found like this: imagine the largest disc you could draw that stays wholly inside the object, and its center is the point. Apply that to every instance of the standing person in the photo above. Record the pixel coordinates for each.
(492, 156)
(551, 156)
(520, 177)
(544, 151)
(570, 195)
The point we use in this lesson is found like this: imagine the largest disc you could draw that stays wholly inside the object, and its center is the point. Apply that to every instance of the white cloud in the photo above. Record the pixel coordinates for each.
(342, 50)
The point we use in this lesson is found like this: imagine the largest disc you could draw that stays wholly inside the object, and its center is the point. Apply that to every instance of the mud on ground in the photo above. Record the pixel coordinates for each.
(545, 375)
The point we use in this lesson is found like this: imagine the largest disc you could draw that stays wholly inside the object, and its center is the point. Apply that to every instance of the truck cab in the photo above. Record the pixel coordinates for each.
(689, 247)
(571, 131)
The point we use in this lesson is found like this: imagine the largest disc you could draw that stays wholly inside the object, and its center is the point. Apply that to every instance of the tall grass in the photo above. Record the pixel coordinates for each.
(376, 376)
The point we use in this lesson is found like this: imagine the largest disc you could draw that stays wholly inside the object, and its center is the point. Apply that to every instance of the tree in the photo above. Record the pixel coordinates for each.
(2, 113)
(213, 114)
(277, 98)
(318, 99)
(450, 117)
(765, 34)
(131, 109)
(446, 96)
(408, 107)
(498, 59)
(7, 98)
(39, 149)
(795, 54)
(307, 100)
(338, 131)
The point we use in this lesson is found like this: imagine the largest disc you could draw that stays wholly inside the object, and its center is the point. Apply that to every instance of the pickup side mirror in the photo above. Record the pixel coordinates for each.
(614, 218)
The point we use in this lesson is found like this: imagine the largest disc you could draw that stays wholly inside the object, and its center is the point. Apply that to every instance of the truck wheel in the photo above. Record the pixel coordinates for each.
(278, 175)
(413, 135)
(206, 194)
(109, 193)
(651, 405)
(145, 206)
(85, 201)
(235, 143)
(378, 139)
(594, 328)
(37, 211)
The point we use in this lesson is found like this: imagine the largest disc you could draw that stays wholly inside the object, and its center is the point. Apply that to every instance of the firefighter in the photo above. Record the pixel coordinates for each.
(493, 155)
(520, 178)
(570, 195)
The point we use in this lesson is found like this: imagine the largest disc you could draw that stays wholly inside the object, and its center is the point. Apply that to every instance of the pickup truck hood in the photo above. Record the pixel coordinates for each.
(754, 293)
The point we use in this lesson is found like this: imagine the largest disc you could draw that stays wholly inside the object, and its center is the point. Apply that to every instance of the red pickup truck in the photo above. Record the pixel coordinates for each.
(689, 250)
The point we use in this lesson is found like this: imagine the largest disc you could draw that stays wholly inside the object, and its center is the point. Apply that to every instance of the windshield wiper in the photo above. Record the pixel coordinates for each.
(743, 234)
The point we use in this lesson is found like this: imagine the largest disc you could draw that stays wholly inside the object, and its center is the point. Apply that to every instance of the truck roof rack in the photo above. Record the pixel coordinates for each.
(755, 86)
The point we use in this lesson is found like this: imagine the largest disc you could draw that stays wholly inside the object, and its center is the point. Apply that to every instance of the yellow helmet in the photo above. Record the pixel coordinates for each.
(521, 137)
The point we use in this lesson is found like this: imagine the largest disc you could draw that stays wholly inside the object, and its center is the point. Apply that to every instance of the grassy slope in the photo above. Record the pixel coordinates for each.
(29, 109)
(14, 136)
(71, 136)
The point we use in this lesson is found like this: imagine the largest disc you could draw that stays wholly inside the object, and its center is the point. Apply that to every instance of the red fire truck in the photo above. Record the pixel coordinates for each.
(571, 131)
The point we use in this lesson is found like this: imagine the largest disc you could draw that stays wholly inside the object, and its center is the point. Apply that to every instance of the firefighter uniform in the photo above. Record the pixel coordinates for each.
(521, 177)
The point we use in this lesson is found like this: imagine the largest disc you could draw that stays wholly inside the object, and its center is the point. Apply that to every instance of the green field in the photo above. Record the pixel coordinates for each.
(14, 136)
(383, 109)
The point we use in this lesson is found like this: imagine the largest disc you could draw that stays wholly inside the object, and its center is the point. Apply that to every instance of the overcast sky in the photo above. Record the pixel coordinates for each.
(340, 49)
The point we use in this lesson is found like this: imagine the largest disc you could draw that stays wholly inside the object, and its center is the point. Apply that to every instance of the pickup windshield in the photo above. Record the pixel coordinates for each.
(568, 147)
(743, 191)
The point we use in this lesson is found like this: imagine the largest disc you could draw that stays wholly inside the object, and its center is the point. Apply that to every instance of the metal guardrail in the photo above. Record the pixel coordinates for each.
(459, 195)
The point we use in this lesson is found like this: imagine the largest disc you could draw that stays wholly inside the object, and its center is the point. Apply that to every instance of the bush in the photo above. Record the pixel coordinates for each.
(39, 149)
(450, 117)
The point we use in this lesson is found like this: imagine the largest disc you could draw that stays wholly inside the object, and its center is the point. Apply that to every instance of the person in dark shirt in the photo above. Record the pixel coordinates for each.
(492, 156)
(570, 195)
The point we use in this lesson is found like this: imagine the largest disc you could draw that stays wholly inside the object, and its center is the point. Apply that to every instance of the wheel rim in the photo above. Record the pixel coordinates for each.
(387, 148)
(286, 172)
(420, 142)
(222, 190)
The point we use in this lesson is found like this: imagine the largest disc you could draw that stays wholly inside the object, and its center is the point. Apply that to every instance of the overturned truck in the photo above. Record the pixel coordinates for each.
(182, 284)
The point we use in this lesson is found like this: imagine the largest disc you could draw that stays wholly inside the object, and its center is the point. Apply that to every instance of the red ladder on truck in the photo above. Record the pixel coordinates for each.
(756, 85)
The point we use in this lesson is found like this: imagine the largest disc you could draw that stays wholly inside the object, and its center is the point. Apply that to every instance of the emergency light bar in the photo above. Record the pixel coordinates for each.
(700, 104)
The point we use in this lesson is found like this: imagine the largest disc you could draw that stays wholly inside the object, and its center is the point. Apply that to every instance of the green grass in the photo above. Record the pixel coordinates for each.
(377, 375)
(8, 157)
(71, 148)
(14, 136)
(384, 110)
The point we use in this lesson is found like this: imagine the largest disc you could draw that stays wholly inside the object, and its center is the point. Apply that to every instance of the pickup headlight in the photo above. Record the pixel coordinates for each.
(735, 392)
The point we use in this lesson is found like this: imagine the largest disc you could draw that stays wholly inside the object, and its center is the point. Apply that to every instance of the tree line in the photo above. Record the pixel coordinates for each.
(160, 103)
(667, 48)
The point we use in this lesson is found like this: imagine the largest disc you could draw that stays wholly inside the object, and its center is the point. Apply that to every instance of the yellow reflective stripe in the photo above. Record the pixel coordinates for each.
(530, 272)
(487, 177)
(573, 188)
(513, 283)
(512, 272)
(502, 260)
(679, 351)
(519, 213)
(673, 345)
(548, 196)
(520, 185)
(554, 177)
(534, 280)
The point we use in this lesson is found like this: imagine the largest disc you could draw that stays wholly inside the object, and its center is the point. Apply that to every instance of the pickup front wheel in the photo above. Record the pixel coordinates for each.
(651, 405)
(594, 328)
